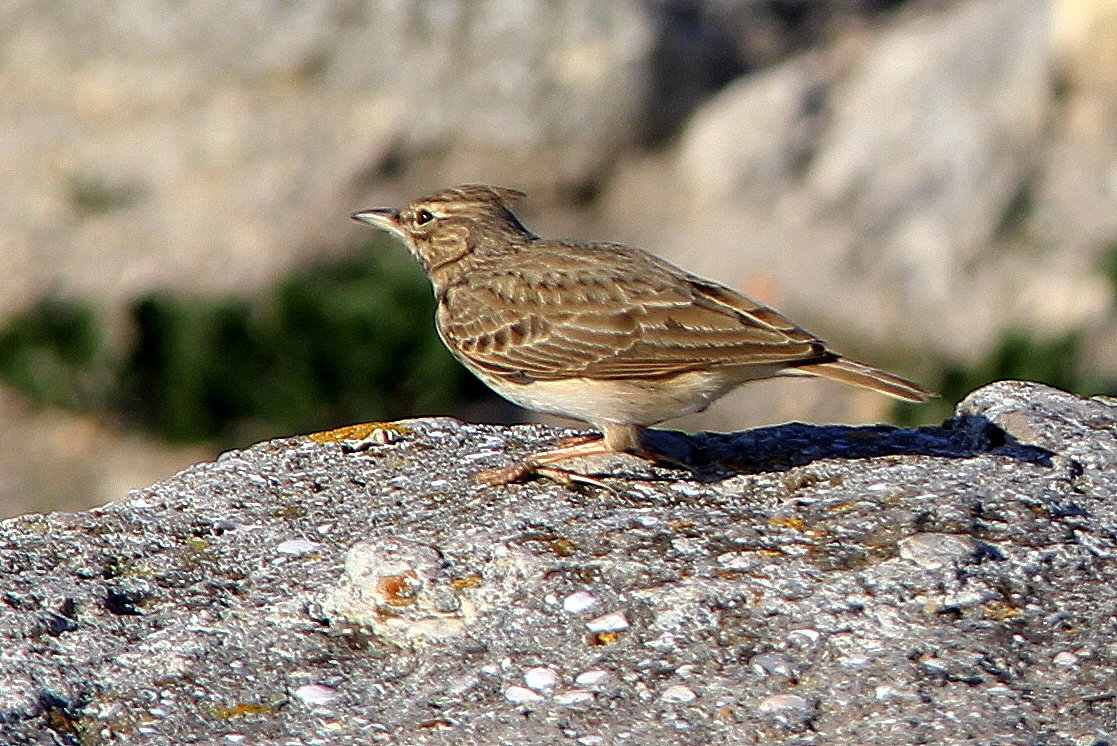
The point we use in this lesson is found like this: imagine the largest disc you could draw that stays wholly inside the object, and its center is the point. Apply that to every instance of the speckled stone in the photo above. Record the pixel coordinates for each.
(811, 584)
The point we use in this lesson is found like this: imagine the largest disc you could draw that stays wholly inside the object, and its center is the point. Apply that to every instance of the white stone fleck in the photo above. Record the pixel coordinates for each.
(856, 660)
(234, 738)
(478, 455)
(936, 666)
(574, 696)
(298, 547)
(688, 545)
(521, 694)
(690, 489)
(886, 692)
(579, 601)
(1066, 658)
(316, 694)
(966, 599)
(678, 693)
(385, 436)
(591, 678)
(614, 622)
(591, 740)
(803, 636)
(490, 668)
(785, 704)
(541, 679)
(439, 483)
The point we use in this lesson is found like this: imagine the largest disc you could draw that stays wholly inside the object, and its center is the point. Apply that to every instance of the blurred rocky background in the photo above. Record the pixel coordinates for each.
(930, 185)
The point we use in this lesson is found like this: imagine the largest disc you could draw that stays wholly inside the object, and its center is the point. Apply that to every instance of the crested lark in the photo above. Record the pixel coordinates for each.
(600, 332)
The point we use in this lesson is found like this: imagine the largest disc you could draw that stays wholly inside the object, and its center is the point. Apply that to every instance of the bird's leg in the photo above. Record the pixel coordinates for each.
(615, 439)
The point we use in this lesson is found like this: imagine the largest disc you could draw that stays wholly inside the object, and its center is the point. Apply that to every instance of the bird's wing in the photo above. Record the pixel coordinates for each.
(568, 310)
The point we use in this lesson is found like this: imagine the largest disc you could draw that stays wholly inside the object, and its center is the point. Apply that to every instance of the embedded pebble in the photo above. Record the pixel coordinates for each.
(932, 551)
(690, 489)
(591, 677)
(678, 693)
(521, 694)
(578, 601)
(541, 679)
(297, 547)
(234, 738)
(614, 622)
(886, 692)
(316, 694)
(781, 704)
(767, 664)
(591, 740)
(574, 696)
(856, 660)
(1065, 658)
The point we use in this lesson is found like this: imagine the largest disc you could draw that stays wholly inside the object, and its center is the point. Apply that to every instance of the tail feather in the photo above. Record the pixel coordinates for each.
(857, 374)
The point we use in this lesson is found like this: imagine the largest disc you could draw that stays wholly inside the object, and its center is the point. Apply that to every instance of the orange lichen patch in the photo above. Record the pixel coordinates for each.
(841, 507)
(603, 638)
(398, 590)
(681, 525)
(1000, 610)
(360, 431)
(469, 581)
(563, 547)
(241, 709)
(786, 521)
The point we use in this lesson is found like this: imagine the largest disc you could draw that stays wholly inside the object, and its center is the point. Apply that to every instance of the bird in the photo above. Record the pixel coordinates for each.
(601, 332)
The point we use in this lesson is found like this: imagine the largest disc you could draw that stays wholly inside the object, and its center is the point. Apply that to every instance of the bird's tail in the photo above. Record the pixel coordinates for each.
(853, 372)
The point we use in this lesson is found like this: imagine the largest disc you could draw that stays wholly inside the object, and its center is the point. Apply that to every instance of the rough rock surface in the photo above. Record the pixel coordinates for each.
(807, 584)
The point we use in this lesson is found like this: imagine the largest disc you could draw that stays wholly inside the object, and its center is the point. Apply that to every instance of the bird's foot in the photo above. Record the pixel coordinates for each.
(542, 464)
(523, 471)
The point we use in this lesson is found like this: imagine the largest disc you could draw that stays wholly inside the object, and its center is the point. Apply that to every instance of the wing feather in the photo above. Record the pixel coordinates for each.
(560, 310)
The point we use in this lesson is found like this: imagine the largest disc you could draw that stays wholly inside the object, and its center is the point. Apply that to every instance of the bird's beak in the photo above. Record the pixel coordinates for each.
(379, 217)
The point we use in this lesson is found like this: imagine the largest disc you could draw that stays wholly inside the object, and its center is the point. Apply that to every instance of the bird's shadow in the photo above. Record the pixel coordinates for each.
(716, 456)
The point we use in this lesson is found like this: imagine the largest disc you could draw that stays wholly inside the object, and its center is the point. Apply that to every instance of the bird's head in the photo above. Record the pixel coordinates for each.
(451, 224)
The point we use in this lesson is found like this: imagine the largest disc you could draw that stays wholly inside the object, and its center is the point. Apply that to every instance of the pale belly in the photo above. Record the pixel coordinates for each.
(631, 402)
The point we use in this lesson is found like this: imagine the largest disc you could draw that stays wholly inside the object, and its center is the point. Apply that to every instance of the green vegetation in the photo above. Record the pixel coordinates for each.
(336, 343)
(96, 195)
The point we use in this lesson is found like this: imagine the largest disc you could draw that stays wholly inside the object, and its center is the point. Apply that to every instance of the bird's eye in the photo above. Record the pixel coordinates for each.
(423, 217)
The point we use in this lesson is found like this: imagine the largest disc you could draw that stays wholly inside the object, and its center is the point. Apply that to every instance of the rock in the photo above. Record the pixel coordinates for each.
(877, 172)
(860, 584)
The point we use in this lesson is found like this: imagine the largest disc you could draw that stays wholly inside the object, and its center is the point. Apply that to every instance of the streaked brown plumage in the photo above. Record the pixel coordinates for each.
(601, 332)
